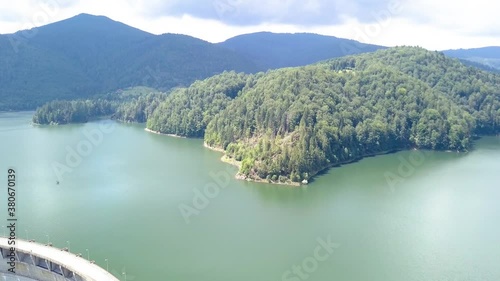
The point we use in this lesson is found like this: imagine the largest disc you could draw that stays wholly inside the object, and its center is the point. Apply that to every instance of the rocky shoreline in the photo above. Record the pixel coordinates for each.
(241, 176)
(158, 133)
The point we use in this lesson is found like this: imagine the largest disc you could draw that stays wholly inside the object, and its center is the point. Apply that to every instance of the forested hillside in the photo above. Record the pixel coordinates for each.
(186, 112)
(88, 55)
(489, 56)
(130, 105)
(30, 76)
(276, 50)
(288, 124)
(477, 91)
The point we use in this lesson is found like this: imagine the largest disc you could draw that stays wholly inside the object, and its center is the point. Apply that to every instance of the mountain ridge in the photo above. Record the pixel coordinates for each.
(88, 55)
(276, 50)
(103, 55)
(488, 56)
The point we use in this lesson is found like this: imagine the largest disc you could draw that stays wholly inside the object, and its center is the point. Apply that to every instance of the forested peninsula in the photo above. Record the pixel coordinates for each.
(286, 125)
(131, 105)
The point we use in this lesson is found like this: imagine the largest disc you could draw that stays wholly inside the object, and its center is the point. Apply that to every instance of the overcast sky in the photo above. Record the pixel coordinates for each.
(432, 24)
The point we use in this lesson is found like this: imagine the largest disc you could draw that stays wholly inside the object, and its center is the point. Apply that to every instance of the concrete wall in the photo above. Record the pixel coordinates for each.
(46, 263)
(33, 267)
(12, 277)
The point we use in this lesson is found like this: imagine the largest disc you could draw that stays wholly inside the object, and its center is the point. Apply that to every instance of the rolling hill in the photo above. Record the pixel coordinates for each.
(87, 55)
(489, 56)
(288, 124)
(276, 50)
(90, 55)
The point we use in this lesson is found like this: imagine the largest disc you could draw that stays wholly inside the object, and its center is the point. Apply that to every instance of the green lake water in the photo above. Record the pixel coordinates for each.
(165, 208)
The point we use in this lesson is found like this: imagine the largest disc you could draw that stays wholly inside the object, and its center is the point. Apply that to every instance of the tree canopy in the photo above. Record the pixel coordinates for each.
(131, 105)
(291, 123)
(287, 125)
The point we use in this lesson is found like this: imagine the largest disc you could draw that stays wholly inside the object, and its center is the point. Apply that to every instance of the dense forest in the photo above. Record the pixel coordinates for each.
(486, 56)
(187, 111)
(293, 123)
(477, 91)
(287, 125)
(277, 50)
(86, 55)
(130, 105)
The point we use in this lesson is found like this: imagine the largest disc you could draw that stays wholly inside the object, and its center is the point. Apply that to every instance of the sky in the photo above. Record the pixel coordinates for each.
(432, 24)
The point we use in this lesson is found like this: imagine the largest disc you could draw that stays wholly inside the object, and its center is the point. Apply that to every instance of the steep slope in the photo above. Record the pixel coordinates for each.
(30, 76)
(88, 55)
(288, 124)
(187, 111)
(89, 40)
(172, 60)
(113, 53)
(476, 90)
(277, 50)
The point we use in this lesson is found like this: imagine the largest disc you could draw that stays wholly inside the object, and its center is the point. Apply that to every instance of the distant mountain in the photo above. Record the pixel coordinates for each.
(275, 50)
(87, 55)
(486, 52)
(479, 65)
(489, 56)
(29, 76)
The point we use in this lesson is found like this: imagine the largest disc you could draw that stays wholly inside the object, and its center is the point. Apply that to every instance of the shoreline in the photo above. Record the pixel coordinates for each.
(346, 162)
(90, 120)
(213, 148)
(240, 176)
(158, 133)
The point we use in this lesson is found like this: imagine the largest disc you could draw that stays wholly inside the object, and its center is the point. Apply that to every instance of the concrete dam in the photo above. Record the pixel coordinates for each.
(33, 261)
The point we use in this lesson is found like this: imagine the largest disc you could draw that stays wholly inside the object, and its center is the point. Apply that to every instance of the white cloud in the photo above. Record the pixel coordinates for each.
(428, 23)
(466, 17)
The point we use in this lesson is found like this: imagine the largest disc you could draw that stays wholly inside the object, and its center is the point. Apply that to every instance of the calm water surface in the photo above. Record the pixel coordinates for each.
(404, 216)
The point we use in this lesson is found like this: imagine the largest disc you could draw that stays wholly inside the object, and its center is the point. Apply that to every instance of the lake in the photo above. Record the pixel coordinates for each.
(166, 208)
